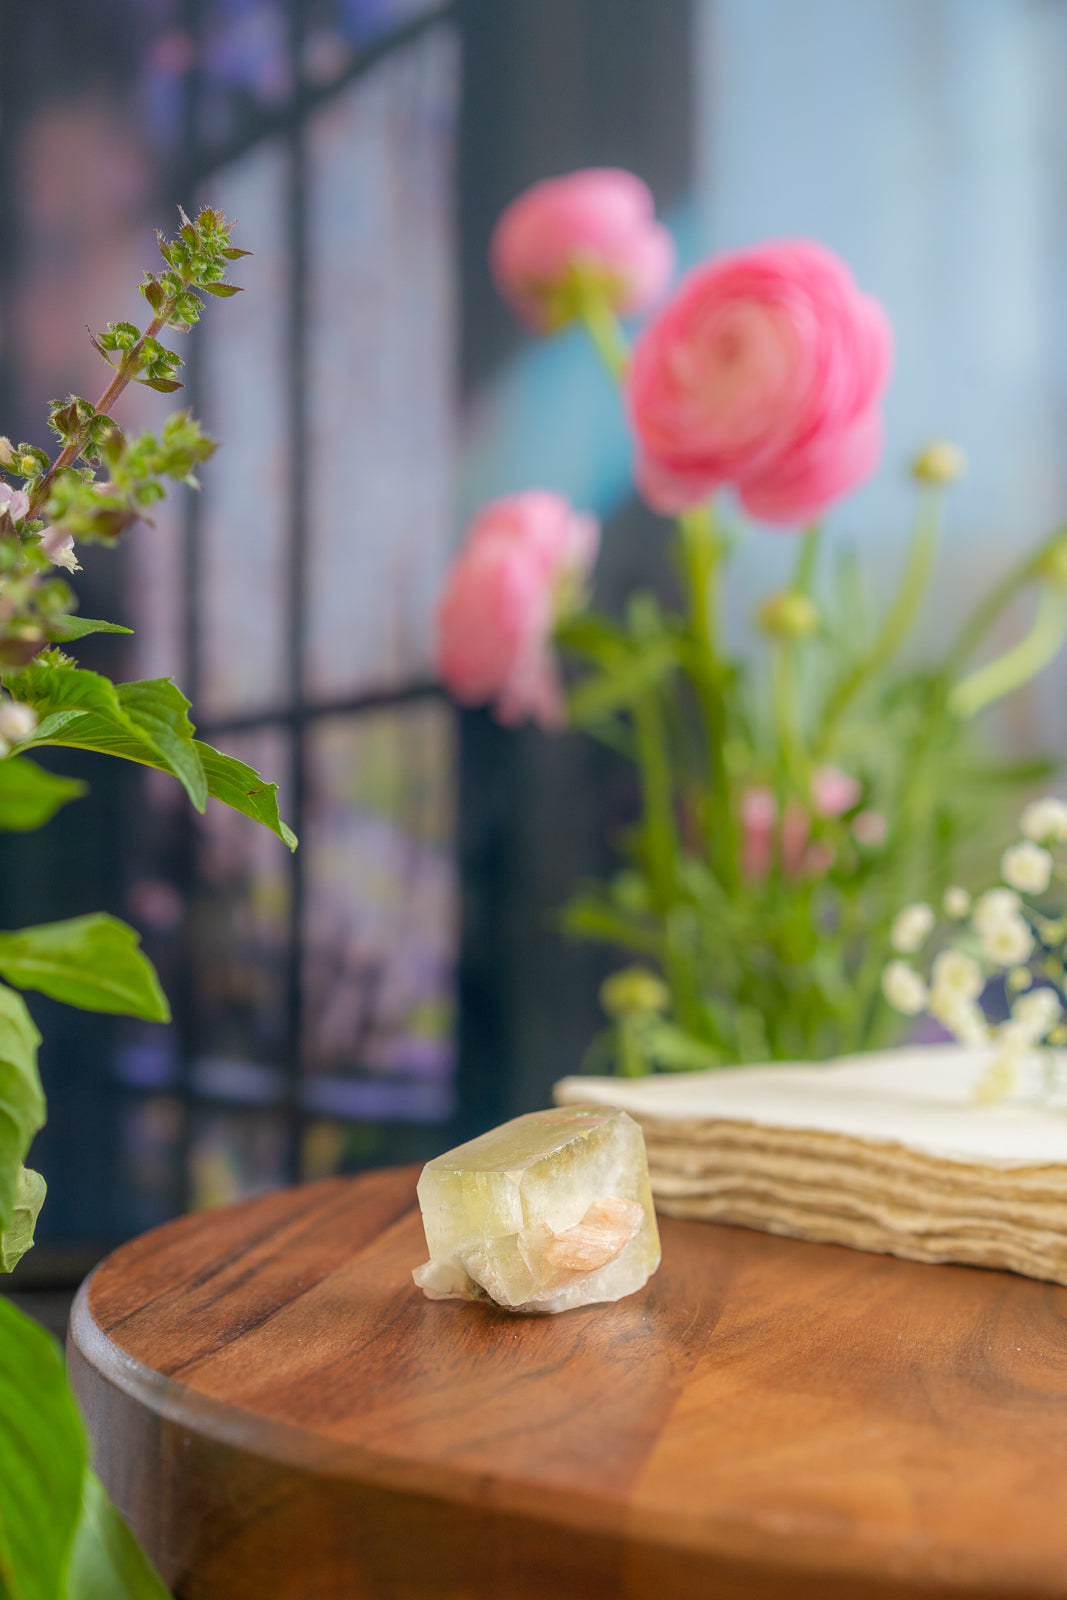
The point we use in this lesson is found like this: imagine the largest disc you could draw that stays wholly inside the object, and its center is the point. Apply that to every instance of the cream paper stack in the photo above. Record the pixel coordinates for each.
(887, 1151)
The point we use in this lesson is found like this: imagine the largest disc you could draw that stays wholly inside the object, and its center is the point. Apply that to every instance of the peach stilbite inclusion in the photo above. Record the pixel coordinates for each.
(545, 1213)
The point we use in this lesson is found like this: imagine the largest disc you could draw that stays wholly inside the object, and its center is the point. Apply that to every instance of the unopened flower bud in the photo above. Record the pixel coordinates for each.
(7, 453)
(27, 465)
(940, 463)
(788, 615)
(1053, 564)
(634, 989)
(17, 721)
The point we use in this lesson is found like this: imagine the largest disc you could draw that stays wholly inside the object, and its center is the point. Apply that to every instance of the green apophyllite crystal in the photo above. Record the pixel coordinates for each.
(550, 1211)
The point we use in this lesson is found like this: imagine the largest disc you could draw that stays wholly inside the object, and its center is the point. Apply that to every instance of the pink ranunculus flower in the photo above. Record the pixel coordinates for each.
(765, 372)
(524, 561)
(600, 221)
(834, 792)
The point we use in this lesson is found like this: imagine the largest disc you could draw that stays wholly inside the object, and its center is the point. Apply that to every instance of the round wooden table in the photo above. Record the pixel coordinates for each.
(282, 1414)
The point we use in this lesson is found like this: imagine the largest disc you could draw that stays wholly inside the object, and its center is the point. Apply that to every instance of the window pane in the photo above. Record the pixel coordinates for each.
(149, 1177)
(235, 1154)
(245, 66)
(336, 30)
(380, 924)
(244, 571)
(239, 941)
(381, 369)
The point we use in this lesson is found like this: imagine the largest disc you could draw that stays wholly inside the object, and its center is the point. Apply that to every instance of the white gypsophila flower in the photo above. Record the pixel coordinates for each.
(962, 1017)
(911, 927)
(955, 973)
(1026, 867)
(17, 721)
(1036, 1013)
(993, 907)
(956, 902)
(1044, 819)
(1008, 943)
(903, 988)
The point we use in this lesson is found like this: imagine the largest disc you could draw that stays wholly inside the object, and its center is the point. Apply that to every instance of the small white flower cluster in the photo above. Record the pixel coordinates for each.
(17, 722)
(996, 935)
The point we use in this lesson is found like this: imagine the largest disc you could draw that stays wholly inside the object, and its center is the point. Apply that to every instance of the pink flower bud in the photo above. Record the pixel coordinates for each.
(759, 817)
(765, 372)
(869, 828)
(524, 562)
(600, 223)
(818, 859)
(834, 792)
(796, 830)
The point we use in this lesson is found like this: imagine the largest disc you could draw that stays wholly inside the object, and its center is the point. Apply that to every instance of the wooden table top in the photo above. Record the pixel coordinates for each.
(280, 1411)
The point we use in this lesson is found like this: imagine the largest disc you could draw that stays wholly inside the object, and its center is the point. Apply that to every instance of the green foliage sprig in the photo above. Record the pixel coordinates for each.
(60, 1537)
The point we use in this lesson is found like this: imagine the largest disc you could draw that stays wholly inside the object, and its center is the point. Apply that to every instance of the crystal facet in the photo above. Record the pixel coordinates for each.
(545, 1213)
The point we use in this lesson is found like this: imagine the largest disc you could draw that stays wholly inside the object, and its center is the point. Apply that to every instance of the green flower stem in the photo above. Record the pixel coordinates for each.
(123, 376)
(1000, 597)
(660, 834)
(898, 620)
(794, 759)
(661, 851)
(1019, 664)
(701, 560)
(605, 332)
(807, 556)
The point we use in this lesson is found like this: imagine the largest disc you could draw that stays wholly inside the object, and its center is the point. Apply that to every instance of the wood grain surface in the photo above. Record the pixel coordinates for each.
(281, 1413)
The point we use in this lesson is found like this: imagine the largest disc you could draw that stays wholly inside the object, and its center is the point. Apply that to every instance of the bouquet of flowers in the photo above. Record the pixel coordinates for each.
(790, 806)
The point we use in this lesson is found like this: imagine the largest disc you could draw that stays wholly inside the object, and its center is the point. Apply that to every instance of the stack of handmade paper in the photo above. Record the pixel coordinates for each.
(887, 1152)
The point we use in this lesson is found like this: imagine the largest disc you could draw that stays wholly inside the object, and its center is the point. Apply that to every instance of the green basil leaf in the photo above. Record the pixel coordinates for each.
(29, 796)
(241, 787)
(21, 1096)
(106, 1562)
(93, 962)
(42, 1461)
(18, 1238)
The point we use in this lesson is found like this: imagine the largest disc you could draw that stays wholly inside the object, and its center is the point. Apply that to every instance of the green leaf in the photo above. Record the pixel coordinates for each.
(61, 630)
(145, 721)
(93, 962)
(42, 1461)
(29, 796)
(21, 1097)
(160, 385)
(106, 1561)
(595, 697)
(674, 1050)
(223, 291)
(241, 787)
(158, 707)
(18, 1238)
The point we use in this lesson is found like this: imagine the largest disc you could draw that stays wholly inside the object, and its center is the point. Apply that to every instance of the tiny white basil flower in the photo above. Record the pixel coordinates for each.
(17, 721)
(955, 973)
(1008, 943)
(911, 927)
(1026, 867)
(957, 902)
(994, 907)
(903, 988)
(1044, 819)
